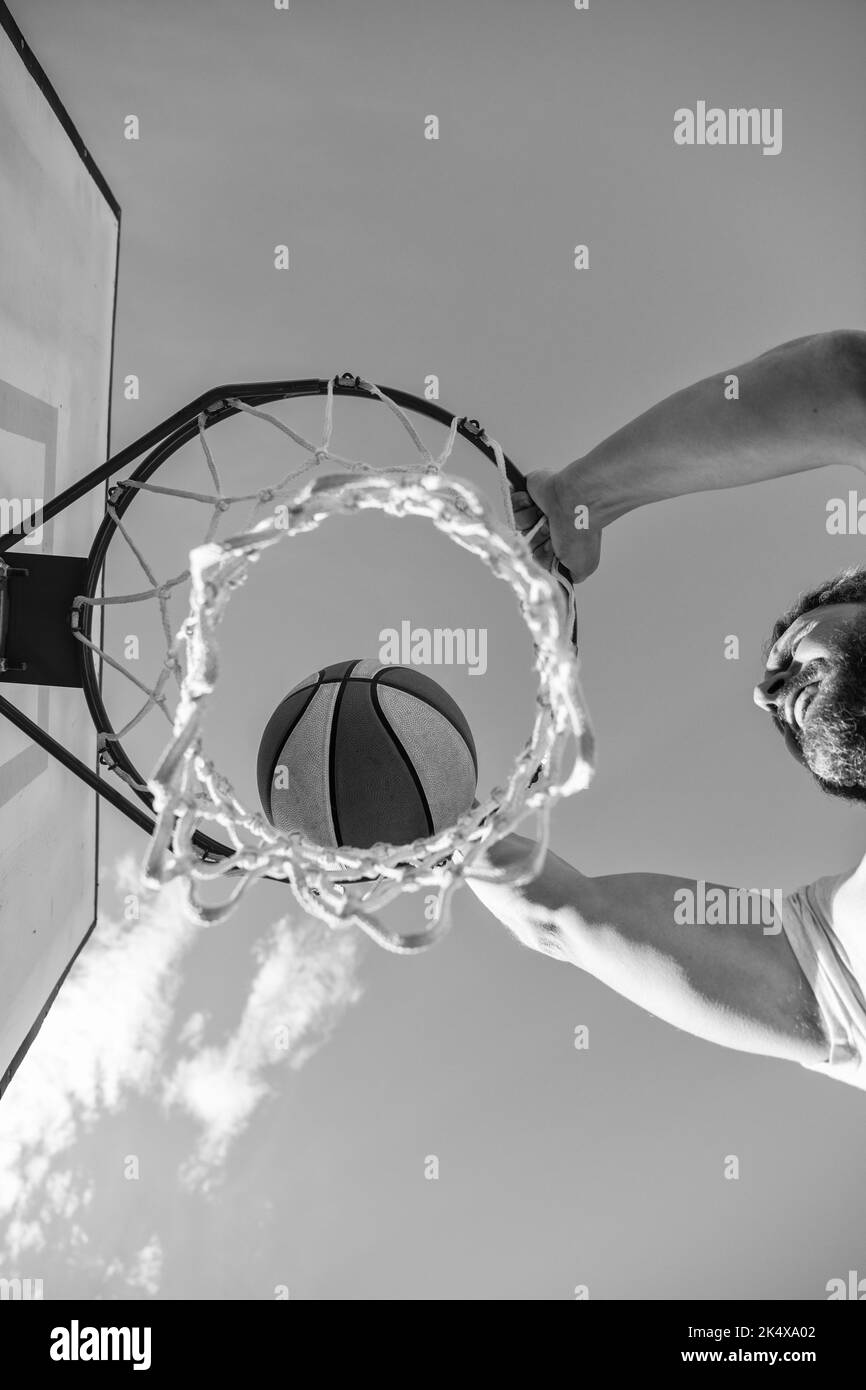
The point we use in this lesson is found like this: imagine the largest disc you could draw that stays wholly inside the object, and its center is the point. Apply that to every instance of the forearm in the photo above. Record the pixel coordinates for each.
(800, 406)
(534, 911)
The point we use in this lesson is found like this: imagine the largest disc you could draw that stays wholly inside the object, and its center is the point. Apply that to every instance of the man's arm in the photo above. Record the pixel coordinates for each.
(729, 984)
(801, 406)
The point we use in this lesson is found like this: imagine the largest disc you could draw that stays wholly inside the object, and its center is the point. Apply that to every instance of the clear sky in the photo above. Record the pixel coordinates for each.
(190, 1159)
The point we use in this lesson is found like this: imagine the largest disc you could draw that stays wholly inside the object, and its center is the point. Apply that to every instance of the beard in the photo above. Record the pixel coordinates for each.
(832, 743)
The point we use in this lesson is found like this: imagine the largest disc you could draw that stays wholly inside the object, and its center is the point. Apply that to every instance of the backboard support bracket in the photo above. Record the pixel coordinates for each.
(37, 644)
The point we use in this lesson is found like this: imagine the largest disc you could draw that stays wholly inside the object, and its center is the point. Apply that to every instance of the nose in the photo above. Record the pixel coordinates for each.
(768, 693)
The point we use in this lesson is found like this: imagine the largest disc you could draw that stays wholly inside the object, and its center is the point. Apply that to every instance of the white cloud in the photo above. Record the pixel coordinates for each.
(113, 1033)
(146, 1268)
(306, 978)
(102, 1038)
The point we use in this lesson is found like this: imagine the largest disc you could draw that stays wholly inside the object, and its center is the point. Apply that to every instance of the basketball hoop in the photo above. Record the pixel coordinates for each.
(344, 886)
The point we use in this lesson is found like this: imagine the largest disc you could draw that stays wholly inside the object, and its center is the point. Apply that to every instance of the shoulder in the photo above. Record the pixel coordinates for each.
(846, 903)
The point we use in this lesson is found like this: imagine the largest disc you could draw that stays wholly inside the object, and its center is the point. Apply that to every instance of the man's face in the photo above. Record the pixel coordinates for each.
(814, 689)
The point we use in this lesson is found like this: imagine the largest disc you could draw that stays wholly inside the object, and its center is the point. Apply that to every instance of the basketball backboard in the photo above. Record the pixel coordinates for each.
(59, 232)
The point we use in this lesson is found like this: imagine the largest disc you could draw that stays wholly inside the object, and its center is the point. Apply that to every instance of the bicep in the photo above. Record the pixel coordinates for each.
(733, 980)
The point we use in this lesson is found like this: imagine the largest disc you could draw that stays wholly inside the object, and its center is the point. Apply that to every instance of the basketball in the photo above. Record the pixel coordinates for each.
(362, 752)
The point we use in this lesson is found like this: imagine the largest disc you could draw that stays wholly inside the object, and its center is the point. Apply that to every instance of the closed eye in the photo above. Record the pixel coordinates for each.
(782, 655)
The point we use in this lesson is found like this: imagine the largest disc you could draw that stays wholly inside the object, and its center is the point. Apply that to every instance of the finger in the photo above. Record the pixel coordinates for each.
(530, 520)
(544, 556)
(525, 513)
(537, 484)
(541, 537)
(529, 532)
(520, 498)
